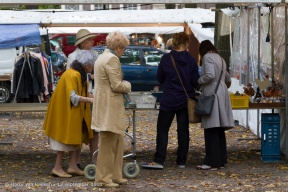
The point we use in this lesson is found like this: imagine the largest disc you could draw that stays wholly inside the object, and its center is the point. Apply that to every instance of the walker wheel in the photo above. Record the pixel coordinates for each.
(131, 170)
(90, 172)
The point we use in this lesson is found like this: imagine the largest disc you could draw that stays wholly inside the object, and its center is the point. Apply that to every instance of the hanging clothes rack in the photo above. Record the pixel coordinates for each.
(26, 61)
(26, 55)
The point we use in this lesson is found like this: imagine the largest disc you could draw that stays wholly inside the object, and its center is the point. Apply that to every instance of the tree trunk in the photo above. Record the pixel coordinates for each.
(190, 5)
(222, 43)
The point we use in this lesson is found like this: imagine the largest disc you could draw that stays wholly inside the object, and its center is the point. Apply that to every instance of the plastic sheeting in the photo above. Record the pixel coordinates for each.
(19, 35)
(279, 57)
(279, 46)
(241, 65)
(245, 59)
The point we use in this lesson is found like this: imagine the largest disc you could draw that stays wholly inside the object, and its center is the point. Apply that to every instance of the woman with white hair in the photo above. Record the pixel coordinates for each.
(68, 117)
(84, 41)
(108, 114)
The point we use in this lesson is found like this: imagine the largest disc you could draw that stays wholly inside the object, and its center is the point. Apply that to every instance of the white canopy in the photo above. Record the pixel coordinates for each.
(126, 30)
(202, 33)
(65, 2)
(164, 21)
(109, 18)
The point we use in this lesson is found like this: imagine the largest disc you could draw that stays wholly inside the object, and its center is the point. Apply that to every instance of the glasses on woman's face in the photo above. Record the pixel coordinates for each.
(89, 67)
(90, 39)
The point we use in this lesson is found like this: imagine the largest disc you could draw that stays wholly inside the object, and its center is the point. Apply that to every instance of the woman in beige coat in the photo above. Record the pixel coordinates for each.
(108, 114)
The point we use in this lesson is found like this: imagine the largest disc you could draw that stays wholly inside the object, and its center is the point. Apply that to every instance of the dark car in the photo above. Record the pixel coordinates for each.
(139, 65)
(58, 59)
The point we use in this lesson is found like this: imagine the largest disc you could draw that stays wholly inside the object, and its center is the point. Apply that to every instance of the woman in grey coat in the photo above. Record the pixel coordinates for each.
(221, 117)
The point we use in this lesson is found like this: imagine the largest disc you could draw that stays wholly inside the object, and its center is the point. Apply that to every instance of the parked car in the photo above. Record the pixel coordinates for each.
(58, 59)
(69, 39)
(139, 65)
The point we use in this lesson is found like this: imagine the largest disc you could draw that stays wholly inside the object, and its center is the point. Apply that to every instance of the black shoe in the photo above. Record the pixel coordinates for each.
(78, 165)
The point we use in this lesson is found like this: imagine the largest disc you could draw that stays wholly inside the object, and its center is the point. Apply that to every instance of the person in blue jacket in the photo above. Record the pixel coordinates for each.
(174, 100)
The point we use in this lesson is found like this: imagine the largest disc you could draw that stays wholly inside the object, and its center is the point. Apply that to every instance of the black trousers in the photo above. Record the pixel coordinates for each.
(164, 121)
(215, 147)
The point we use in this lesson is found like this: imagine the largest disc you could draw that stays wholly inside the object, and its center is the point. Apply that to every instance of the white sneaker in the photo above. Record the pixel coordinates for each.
(181, 166)
(206, 167)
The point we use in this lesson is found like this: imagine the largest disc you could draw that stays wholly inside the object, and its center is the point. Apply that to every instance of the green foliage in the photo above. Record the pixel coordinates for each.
(5, 8)
(22, 7)
(49, 7)
(169, 6)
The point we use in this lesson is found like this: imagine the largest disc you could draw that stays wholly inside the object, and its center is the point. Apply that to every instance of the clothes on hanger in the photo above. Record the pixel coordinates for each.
(29, 81)
(44, 71)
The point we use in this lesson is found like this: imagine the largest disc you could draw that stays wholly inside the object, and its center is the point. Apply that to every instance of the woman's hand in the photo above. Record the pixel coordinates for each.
(123, 81)
(86, 99)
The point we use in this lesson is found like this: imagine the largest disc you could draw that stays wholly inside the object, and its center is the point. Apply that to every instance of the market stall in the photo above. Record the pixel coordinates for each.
(250, 56)
(258, 57)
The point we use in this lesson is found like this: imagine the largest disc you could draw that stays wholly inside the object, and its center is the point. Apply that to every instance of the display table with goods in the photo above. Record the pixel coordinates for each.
(243, 101)
(264, 98)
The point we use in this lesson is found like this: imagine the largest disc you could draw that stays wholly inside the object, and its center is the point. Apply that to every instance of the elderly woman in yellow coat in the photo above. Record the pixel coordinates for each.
(68, 117)
(108, 114)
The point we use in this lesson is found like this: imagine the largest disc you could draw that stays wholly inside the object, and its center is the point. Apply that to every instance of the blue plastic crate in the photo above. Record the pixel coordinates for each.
(270, 117)
(270, 158)
(270, 137)
(158, 96)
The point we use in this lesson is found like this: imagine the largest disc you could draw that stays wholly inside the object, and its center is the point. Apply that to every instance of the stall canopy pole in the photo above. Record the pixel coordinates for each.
(248, 61)
(258, 68)
(286, 85)
(272, 40)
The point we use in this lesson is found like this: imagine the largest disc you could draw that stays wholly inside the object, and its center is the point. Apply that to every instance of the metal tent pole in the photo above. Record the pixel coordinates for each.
(248, 61)
(258, 68)
(286, 85)
(272, 40)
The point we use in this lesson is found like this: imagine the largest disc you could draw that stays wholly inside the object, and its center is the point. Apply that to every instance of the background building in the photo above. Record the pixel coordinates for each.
(128, 6)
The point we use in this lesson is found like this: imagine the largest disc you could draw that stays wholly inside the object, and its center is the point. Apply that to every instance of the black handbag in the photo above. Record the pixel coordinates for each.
(205, 104)
(191, 102)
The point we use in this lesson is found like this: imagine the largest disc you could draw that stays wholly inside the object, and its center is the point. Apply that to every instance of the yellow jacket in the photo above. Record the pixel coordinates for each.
(63, 121)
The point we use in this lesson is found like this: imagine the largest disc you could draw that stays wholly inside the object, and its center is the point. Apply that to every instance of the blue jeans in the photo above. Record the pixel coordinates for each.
(164, 121)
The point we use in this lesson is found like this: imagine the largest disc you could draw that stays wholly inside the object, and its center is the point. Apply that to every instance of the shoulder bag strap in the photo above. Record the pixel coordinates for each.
(178, 75)
(219, 77)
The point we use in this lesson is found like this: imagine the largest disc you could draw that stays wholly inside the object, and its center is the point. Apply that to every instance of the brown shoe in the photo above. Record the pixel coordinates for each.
(109, 185)
(74, 172)
(120, 181)
(64, 174)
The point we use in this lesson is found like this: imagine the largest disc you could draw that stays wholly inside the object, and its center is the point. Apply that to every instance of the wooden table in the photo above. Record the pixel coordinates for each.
(262, 106)
(23, 107)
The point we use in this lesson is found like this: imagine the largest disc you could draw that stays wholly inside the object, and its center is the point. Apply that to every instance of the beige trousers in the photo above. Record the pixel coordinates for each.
(110, 157)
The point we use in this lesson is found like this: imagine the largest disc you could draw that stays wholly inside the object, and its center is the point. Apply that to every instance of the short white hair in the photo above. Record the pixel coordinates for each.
(116, 39)
(86, 57)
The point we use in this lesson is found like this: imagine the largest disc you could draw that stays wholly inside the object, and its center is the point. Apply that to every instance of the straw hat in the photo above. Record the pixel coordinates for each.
(83, 34)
